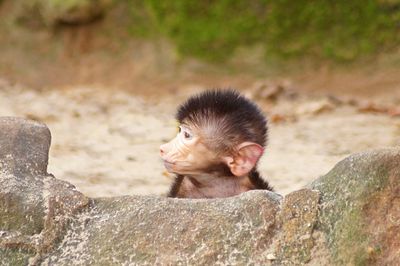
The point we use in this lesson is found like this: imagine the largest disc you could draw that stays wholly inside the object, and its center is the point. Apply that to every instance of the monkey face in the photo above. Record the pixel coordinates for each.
(190, 153)
(186, 153)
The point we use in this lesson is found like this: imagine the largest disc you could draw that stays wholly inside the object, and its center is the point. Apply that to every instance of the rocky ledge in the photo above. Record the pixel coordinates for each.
(349, 216)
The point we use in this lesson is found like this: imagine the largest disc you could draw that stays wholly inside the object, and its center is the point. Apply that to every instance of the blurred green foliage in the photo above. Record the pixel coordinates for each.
(339, 30)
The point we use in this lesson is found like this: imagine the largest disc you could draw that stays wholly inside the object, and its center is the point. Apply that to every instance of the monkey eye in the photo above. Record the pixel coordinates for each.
(185, 133)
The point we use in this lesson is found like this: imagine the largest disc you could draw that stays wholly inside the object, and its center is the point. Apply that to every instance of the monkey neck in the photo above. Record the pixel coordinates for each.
(212, 186)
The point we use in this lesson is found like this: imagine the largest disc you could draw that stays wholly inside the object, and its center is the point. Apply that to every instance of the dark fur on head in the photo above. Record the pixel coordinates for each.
(231, 117)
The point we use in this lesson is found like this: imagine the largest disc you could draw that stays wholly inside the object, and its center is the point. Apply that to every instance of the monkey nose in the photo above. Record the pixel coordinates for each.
(161, 150)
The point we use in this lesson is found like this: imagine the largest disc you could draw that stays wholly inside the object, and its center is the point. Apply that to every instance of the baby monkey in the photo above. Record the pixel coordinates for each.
(221, 137)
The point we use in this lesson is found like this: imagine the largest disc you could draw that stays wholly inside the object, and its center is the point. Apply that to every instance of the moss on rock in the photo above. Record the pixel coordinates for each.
(346, 192)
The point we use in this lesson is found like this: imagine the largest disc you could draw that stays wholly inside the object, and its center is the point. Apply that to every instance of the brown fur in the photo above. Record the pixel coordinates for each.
(216, 186)
(220, 187)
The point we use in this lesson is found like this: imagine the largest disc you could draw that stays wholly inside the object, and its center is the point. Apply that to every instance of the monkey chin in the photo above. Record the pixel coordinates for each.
(173, 168)
(177, 169)
(169, 166)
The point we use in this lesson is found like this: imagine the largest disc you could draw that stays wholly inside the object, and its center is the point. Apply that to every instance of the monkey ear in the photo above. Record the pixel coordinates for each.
(246, 158)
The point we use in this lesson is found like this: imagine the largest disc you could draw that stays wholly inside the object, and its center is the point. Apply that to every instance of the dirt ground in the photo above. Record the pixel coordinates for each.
(106, 142)
(110, 102)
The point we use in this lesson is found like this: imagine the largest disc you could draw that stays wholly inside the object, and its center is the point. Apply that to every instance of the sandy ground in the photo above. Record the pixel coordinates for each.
(106, 142)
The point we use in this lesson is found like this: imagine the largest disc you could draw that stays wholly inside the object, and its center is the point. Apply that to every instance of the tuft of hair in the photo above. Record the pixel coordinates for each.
(231, 116)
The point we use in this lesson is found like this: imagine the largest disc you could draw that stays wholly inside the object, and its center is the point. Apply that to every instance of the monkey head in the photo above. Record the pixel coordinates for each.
(219, 131)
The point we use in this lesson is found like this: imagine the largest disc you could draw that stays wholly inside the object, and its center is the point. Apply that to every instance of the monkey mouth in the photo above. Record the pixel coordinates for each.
(168, 162)
(168, 165)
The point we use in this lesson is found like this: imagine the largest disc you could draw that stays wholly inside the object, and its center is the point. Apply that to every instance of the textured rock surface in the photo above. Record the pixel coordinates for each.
(360, 208)
(349, 216)
(24, 146)
(34, 206)
(298, 218)
(150, 230)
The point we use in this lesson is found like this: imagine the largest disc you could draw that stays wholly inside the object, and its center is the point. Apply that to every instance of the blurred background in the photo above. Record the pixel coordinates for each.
(106, 76)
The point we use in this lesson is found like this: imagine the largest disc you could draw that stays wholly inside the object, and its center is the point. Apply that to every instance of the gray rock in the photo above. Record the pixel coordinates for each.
(152, 230)
(360, 208)
(24, 146)
(34, 206)
(298, 219)
(349, 216)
